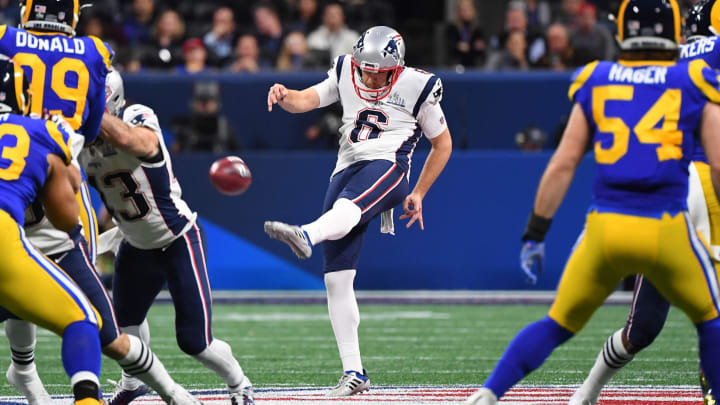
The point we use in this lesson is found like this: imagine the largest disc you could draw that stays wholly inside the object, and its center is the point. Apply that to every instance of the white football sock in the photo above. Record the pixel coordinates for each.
(334, 224)
(218, 357)
(611, 359)
(344, 317)
(142, 364)
(21, 336)
(141, 331)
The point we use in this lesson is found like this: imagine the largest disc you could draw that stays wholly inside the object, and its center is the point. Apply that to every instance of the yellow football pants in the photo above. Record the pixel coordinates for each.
(34, 288)
(88, 220)
(703, 206)
(668, 251)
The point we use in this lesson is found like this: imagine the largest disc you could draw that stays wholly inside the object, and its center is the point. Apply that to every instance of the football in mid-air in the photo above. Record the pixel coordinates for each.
(230, 175)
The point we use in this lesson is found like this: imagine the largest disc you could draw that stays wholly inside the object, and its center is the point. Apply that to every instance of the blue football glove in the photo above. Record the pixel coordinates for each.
(532, 259)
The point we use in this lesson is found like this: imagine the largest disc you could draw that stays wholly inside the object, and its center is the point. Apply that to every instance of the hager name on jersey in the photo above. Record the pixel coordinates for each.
(73, 46)
(643, 75)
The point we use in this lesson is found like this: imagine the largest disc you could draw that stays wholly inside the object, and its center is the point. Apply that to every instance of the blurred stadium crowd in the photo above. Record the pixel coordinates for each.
(247, 36)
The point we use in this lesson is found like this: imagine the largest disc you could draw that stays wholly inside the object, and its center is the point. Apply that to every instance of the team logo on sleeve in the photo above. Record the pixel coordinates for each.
(139, 119)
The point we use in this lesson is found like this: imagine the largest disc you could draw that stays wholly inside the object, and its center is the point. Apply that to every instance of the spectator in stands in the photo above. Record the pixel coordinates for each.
(9, 12)
(98, 23)
(516, 21)
(363, 14)
(465, 38)
(164, 51)
(295, 54)
(247, 56)
(333, 36)
(220, 39)
(590, 40)
(513, 56)
(560, 55)
(269, 34)
(194, 56)
(567, 13)
(205, 129)
(307, 17)
(137, 25)
(539, 14)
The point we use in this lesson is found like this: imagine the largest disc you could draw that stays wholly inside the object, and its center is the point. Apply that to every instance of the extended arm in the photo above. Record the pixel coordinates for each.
(434, 165)
(553, 186)
(57, 196)
(293, 101)
(138, 141)
(561, 169)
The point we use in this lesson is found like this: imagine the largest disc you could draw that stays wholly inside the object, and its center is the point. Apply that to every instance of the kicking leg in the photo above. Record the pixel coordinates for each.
(332, 225)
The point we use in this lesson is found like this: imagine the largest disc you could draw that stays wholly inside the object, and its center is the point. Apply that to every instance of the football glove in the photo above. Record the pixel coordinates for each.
(532, 259)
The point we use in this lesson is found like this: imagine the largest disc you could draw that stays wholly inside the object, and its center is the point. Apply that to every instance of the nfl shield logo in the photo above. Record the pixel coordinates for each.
(61, 16)
(2, 96)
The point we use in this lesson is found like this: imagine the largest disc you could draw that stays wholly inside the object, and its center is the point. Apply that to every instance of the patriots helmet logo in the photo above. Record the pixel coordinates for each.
(392, 48)
(361, 42)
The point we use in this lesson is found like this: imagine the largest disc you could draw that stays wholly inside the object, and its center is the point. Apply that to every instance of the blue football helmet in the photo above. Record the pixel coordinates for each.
(703, 20)
(649, 25)
(15, 94)
(50, 15)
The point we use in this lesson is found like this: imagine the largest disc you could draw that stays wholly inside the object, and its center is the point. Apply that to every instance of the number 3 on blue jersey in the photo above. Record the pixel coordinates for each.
(14, 148)
(665, 109)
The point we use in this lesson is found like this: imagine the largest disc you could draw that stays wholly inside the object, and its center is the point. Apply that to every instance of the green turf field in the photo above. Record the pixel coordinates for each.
(292, 345)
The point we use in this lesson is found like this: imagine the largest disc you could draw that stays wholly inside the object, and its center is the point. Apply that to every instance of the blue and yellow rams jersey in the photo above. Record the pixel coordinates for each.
(25, 144)
(707, 49)
(67, 74)
(643, 117)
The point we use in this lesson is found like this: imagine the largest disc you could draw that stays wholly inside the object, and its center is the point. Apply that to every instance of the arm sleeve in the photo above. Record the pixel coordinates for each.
(61, 141)
(431, 120)
(138, 115)
(96, 101)
(579, 78)
(705, 79)
(328, 89)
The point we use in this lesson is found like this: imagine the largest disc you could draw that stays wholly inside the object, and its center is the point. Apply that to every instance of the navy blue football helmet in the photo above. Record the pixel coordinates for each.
(703, 20)
(649, 25)
(50, 15)
(15, 95)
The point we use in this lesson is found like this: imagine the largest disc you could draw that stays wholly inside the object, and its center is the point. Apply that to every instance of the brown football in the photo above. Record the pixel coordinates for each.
(230, 175)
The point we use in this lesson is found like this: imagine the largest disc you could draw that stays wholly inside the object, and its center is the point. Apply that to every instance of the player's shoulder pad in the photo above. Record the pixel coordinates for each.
(429, 86)
(139, 115)
(104, 50)
(337, 65)
(580, 77)
(705, 79)
(4, 29)
(60, 136)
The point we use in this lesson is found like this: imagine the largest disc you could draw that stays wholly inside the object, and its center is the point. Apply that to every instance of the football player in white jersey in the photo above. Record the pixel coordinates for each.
(72, 254)
(163, 241)
(386, 108)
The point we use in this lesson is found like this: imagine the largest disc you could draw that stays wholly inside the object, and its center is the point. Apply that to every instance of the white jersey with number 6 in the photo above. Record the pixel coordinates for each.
(143, 196)
(387, 129)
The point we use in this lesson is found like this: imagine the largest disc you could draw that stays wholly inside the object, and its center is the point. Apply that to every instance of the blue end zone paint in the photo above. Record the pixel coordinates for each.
(240, 264)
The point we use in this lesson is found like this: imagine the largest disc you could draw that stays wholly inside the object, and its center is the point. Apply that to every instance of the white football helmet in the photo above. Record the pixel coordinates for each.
(379, 49)
(114, 93)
